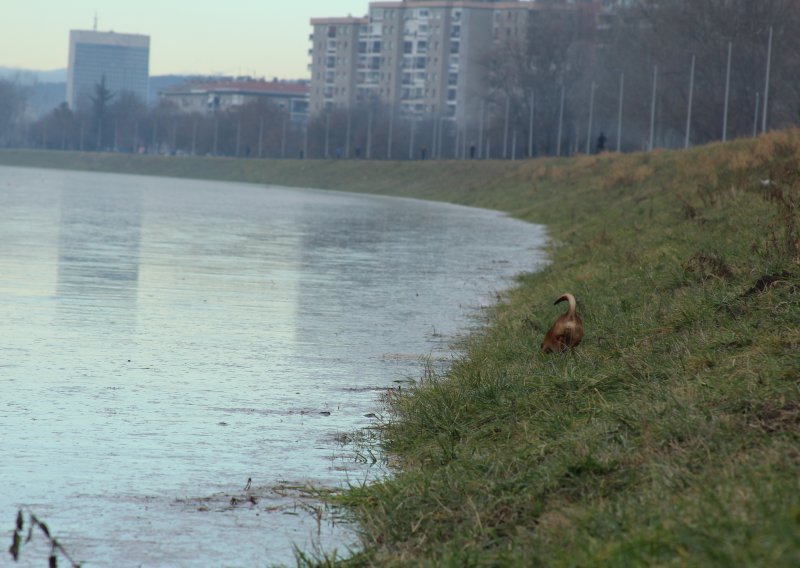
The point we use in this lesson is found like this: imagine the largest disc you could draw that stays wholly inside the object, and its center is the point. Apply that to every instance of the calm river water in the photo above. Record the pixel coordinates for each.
(166, 340)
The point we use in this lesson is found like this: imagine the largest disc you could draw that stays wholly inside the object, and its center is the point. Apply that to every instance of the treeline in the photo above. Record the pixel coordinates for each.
(633, 80)
(664, 73)
(113, 122)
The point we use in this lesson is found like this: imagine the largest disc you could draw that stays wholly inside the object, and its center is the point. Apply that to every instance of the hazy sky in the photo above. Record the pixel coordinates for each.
(262, 37)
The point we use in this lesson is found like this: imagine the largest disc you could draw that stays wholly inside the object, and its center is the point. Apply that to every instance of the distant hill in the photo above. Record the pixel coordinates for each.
(44, 97)
(30, 76)
(46, 89)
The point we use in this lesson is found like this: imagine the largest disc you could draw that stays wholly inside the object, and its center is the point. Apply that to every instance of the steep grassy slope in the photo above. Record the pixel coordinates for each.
(671, 436)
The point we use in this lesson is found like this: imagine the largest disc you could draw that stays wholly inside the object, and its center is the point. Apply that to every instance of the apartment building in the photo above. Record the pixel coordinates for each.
(426, 58)
(334, 61)
(122, 59)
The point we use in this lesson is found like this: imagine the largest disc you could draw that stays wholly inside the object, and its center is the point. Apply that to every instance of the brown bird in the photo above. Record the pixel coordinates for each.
(567, 331)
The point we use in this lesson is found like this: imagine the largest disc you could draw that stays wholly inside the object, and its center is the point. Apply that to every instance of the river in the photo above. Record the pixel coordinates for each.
(165, 341)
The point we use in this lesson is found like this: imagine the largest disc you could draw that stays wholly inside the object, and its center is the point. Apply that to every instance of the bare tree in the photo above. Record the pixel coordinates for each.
(552, 55)
(668, 33)
(12, 109)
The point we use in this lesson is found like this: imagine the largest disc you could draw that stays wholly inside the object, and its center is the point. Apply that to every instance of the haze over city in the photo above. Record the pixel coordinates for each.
(237, 37)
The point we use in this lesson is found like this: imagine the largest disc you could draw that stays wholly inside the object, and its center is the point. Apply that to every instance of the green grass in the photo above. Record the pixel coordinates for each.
(670, 437)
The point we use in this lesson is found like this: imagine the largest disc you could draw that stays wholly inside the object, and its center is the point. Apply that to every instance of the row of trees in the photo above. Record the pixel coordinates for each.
(662, 73)
(121, 122)
(665, 65)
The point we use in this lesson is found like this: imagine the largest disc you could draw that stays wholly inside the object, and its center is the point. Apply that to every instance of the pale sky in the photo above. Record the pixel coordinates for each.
(265, 38)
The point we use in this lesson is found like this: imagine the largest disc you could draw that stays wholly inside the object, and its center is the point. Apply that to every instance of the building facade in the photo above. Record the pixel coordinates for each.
(207, 97)
(334, 61)
(427, 58)
(123, 59)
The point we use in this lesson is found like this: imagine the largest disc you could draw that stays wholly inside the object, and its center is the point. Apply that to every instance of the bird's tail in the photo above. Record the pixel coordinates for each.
(572, 303)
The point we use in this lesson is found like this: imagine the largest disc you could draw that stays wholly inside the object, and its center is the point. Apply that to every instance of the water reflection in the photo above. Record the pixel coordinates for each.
(227, 263)
(209, 333)
(374, 270)
(98, 252)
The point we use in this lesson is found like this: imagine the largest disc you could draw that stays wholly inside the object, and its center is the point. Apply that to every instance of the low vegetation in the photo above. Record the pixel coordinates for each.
(671, 436)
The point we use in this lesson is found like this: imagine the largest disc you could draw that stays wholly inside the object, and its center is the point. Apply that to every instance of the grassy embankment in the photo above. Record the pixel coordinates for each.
(671, 436)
